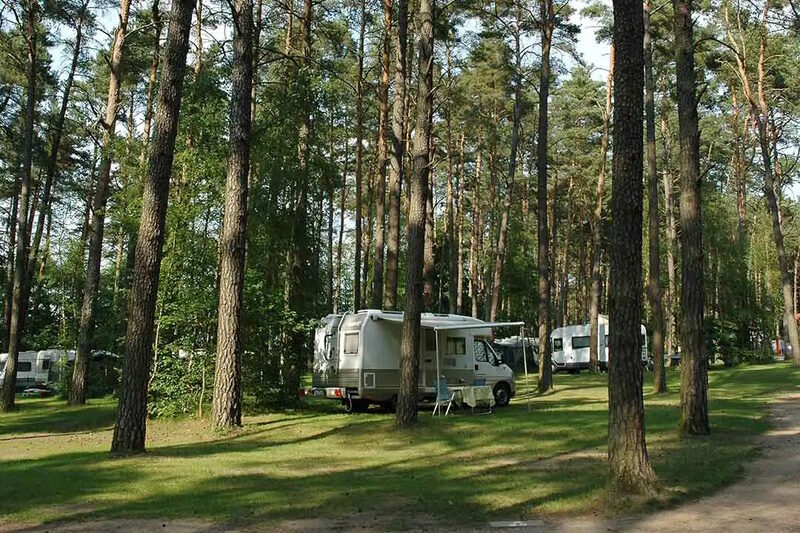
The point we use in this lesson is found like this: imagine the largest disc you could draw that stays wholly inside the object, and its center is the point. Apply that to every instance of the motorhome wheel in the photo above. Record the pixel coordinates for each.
(355, 405)
(502, 394)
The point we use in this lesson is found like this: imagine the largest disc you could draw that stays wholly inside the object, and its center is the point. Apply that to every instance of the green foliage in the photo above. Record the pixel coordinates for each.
(180, 385)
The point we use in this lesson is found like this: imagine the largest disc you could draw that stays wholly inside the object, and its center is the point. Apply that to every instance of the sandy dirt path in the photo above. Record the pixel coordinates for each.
(767, 499)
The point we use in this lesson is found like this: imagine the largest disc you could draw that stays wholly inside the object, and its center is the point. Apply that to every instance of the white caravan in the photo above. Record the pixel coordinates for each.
(570, 346)
(357, 357)
(36, 368)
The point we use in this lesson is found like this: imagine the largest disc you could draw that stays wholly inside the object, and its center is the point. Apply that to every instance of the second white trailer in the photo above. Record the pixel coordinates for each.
(570, 346)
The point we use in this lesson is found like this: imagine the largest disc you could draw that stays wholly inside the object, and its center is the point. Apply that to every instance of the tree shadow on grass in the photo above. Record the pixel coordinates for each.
(52, 416)
(513, 464)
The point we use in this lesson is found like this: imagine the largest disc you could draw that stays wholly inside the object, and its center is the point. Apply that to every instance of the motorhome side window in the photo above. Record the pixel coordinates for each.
(558, 344)
(456, 346)
(480, 352)
(24, 366)
(581, 342)
(351, 343)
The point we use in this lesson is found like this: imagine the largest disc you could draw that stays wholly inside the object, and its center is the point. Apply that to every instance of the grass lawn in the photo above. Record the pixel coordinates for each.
(320, 463)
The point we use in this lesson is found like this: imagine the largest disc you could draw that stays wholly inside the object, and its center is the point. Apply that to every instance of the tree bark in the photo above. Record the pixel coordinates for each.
(342, 199)
(55, 145)
(383, 158)
(629, 465)
(151, 81)
(130, 427)
(545, 370)
(477, 229)
(397, 155)
(694, 372)
(654, 270)
(430, 258)
(359, 156)
(460, 232)
(512, 169)
(227, 402)
(771, 191)
(18, 296)
(597, 225)
(409, 362)
(451, 245)
(672, 231)
(78, 390)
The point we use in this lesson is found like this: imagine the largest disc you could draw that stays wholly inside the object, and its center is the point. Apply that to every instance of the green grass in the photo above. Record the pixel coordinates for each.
(319, 462)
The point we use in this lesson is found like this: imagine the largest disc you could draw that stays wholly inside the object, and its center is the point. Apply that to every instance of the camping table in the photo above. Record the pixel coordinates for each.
(473, 395)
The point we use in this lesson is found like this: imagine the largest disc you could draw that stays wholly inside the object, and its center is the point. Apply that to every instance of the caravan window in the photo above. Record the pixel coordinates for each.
(46, 364)
(480, 352)
(456, 346)
(24, 366)
(581, 342)
(558, 344)
(351, 343)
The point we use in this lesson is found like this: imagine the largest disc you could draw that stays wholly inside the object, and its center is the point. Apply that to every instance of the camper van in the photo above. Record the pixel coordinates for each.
(36, 368)
(357, 357)
(570, 346)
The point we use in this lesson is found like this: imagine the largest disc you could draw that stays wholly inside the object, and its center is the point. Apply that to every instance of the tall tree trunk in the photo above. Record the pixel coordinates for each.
(383, 157)
(12, 244)
(477, 229)
(359, 155)
(694, 372)
(672, 230)
(563, 285)
(18, 300)
(629, 465)
(227, 402)
(409, 361)
(342, 198)
(512, 170)
(771, 192)
(450, 210)
(130, 427)
(151, 81)
(597, 225)
(460, 232)
(654, 270)
(55, 145)
(545, 370)
(430, 257)
(397, 155)
(80, 373)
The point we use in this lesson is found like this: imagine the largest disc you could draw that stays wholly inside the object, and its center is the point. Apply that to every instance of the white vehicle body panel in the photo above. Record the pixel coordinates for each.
(360, 352)
(570, 345)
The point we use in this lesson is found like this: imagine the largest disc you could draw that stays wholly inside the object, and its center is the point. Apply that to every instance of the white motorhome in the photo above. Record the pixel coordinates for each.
(357, 357)
(36, 368)
(570, 346)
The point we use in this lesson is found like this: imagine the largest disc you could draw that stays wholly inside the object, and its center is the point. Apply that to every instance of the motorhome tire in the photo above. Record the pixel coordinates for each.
(502, 394)
(355, 405)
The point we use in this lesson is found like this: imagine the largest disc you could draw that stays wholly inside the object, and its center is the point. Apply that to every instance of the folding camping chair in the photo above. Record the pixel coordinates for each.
(444, 397)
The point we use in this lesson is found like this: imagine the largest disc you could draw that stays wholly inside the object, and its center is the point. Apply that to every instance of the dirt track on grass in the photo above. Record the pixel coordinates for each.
(766, 499)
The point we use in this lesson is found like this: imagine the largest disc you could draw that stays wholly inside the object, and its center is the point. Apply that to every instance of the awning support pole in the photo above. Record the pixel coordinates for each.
(436, 381)
(525, 363)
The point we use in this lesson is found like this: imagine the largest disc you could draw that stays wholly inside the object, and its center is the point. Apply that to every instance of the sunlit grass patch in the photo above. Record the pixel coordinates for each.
(320, 463)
